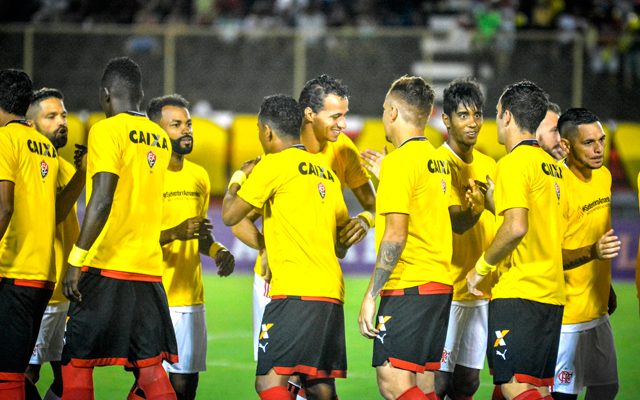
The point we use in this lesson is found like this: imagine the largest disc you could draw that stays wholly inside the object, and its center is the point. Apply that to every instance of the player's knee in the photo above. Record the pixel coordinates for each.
(320, 389)
(467, 387)
(185, 385)
(442, 382)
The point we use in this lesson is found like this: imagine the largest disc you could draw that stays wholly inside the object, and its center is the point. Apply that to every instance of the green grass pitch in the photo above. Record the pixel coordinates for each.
(231, 369)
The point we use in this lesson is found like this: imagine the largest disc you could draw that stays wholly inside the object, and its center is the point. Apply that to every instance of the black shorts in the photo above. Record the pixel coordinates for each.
(120, 321)
(22, 305)
(303, 337)
(413, 328)
(523, 341)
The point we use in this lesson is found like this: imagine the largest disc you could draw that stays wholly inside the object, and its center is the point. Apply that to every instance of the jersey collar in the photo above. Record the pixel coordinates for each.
(19, 121)
(298, 146)
(415, 138)
(526, 142)
(135, 113)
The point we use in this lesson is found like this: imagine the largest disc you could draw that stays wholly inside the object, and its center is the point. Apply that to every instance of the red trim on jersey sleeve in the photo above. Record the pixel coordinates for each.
(427, 288)
(125, 276)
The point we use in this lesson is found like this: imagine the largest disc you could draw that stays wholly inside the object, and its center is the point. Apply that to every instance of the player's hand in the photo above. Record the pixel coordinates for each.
(80, 158)
(607, 247)
(473, 280)
(192, 228)
(225, 261)
(247, 167)
(354, 232)
(475, 197)
(613, 301)
(373, 159)
(70, 284)
(264, 266)
(365, 320)
(487, 191)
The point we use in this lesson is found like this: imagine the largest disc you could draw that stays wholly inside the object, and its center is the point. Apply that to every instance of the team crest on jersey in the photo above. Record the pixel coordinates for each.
(557, 190)
(444, 186)
(565, 376)
(445, 356)
(44, 169)
(322, 190)
(151, 158)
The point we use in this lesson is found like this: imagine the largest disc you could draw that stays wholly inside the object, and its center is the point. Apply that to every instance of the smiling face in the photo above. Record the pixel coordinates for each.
(464, 124)
(51, 121)
(330, 121)
(176, 121)
(587, 147)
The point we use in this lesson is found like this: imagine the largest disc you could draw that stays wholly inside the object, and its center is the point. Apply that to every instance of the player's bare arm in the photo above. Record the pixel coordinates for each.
(464, 219)
(508, 237)
(6, 205)
(342, 248)
(225, 261)
(190, 228)
(604, 249)
(247, 232)
(69, 196)
(391, 247)
(234, 208)
(357, 228)
(97, 213)
(372, 160)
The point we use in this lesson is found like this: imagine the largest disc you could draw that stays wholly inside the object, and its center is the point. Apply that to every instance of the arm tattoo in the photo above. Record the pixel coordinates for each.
(388, 256)
(576, 263)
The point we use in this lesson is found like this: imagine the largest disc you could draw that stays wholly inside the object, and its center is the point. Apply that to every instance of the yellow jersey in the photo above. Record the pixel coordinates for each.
(30, 161)
(588, 217)
(138, 151)
(343, 158)
(303, 204)
(67, 233)
(186, 195)
(468, 247)
(529, 178)
(416, 180)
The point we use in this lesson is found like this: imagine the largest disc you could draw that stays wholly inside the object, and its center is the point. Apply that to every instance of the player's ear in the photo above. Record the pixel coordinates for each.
(447, 122)
(105, 96)
(268, 133)
(309, 115)
(566, 145)
(506, 117)
(393, 114)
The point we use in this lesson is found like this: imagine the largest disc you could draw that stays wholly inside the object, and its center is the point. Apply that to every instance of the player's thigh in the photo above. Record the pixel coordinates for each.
(190, 327)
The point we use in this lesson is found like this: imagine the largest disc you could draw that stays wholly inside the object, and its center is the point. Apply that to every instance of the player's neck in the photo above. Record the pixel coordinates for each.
(121, 106)
(516, 137)
(309, 139)
(176, 163)
(405, 133)
(5, 118)
(581, 172)
(461, 150)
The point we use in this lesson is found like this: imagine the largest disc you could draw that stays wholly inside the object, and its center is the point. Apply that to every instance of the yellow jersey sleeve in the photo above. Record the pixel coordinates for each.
(104, 150)
(8, 159)
(261, 184)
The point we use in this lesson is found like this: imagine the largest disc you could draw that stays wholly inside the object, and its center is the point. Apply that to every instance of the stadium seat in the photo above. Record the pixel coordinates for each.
(93, 119)
(245, 144)
(76, 135)
(627, 142)
(488, 140)
(210, 151)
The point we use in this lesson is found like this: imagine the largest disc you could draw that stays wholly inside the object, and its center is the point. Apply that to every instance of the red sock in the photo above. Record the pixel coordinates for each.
(497, 393)
(275, 393)
(155, 384)
(413, 393)
(302, 394)
(432, 396)
(12, 390)
(531, 394)
(136, 393)
(78, 383)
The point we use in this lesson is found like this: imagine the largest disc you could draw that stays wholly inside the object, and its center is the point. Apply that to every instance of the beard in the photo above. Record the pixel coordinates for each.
(178, 149)
(60, 141)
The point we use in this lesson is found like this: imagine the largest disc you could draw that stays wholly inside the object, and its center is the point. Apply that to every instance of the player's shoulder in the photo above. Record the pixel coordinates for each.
(483, 158)
(196, 170)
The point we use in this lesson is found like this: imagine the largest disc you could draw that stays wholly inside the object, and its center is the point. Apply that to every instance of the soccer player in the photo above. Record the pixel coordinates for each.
(303, 325)
(587, 354)
(119, 313)
(473, 229)
(547, 133)
(325, 102)
(414, 239)
(28, 171)
(525, 312)
(186, 234)
(49, 116)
